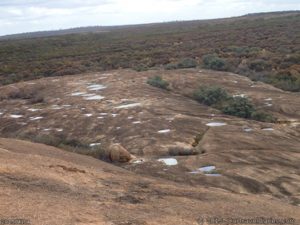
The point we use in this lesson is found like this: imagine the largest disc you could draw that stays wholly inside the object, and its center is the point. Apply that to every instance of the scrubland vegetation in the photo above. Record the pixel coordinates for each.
(238, 106)
(157, 81)
(264, 48)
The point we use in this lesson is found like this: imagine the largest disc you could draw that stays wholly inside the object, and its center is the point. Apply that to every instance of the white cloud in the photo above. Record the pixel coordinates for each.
(31, 15)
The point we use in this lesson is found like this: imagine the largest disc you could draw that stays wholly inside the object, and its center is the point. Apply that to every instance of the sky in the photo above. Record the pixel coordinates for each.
(18, 16)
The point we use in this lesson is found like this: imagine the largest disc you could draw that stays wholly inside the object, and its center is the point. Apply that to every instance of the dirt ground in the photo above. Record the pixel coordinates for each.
(256, 164)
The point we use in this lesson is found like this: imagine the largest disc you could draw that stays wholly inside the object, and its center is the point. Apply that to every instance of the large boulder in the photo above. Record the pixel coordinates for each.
(117, 153)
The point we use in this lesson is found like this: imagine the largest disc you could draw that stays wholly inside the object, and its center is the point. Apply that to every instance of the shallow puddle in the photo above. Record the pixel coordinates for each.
(207, 168)
(16, 116)
(33, 110)
(216, 124)
(268, 129)
(213, 174)
(138, 161)
(128, 106)
(95, 97)
(136, 122)
(207, 171)
(94, 144)
(248, 129)
(96, 87)
(36, 118)
(164, 131)
(240, 95)
(168, 161)
(78, 93)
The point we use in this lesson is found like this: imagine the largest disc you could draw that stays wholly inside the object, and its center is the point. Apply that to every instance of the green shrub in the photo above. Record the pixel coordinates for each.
(184, 63)
(242, 51)
(140, 67)
(263, 116)
(210, 95)
(240, 107)
(187, 63)
(218, 98)
(285, 81)
(213, 62)
(287, 85)
(157, 81)
(171, 66)
(259, 65)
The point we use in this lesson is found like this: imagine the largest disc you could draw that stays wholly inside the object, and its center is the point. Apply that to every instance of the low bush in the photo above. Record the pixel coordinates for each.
(187, 63)
(287, 85)
(240, 107)
(157, 81)
(263, 116)
(210, 95)
(259, 65)
(140, 67)
(31, 93)
(183, 63)
(71, 145)
(212, 61)
(171, 66)
(218, 98)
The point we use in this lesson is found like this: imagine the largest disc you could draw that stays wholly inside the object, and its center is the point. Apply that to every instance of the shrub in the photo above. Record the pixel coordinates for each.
(259, 65)
(9, 79)
(287, 85)
(30, 93)
(184, 63)
(71, 145)
(157, 81)
(171, 66)
(213, 62)
(140, 67)
(187, 63)
(235, 106)
(285, 81)
(240, 107)
(242, 51)
(45, 139)
(263, 116)
(210, 95)
(36, 99)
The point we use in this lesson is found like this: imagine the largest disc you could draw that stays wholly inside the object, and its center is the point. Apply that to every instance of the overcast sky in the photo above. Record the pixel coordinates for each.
(17, 16)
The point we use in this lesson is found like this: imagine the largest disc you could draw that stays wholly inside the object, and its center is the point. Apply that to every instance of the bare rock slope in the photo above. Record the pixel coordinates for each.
(49, 186)
(253, 165)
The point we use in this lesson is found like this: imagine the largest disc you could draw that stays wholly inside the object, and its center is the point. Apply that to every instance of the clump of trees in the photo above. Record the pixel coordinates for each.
(242, 107)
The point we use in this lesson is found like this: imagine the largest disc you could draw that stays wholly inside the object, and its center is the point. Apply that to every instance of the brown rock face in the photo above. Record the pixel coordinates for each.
(182, 149)
(118, 153)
